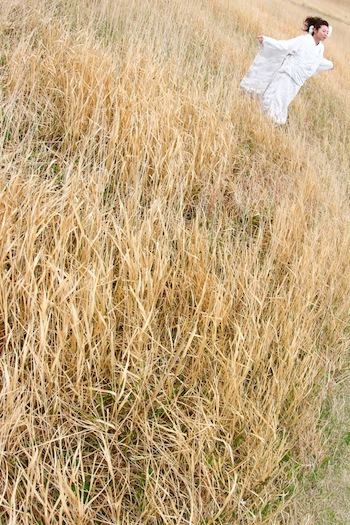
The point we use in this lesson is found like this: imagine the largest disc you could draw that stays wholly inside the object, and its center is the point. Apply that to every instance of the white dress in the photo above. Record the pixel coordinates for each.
(280, 69)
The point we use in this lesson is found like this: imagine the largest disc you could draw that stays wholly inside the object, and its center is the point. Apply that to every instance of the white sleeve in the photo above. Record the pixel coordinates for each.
(271, 46)
(325, 65)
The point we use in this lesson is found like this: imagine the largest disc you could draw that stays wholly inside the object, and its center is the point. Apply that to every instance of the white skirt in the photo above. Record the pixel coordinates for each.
(277, 97)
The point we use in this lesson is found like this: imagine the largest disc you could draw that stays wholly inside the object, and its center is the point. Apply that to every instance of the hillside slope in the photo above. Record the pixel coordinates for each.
(324, 498)
(174, 290)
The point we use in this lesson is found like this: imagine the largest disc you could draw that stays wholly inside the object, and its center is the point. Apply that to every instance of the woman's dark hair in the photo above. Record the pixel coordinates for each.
(314, 21)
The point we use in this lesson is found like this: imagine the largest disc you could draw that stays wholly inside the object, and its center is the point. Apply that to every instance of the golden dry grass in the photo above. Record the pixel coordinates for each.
(324, 499)
(174, 270)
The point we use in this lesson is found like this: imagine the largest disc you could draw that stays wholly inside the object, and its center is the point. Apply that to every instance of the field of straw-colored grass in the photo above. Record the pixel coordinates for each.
(174, 288)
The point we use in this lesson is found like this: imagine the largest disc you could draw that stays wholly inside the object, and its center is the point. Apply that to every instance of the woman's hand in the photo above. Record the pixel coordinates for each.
(261, 39)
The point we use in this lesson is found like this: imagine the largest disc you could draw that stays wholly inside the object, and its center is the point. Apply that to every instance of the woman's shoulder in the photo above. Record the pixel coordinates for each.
(305, 37)
(306, 40)
(300, 39)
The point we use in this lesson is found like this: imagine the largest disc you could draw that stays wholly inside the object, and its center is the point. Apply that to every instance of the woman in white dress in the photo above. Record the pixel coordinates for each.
(283, 66)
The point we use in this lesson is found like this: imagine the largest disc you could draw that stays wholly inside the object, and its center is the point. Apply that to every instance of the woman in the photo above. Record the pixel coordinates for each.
(283, 66)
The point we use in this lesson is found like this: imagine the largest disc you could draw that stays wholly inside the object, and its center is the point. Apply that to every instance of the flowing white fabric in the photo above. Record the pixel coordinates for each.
(280, 69)
(277, 97)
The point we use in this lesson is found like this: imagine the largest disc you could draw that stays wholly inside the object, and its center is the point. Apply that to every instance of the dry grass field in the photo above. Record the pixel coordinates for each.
(324, 496)
(338, 10)
(174, 290)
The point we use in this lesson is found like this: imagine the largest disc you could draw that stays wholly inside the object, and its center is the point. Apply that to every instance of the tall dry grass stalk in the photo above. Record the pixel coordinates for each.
(174, 271)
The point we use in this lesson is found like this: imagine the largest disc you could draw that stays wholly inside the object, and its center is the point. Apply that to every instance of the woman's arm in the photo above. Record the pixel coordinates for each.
(325, 65)
(284, 46)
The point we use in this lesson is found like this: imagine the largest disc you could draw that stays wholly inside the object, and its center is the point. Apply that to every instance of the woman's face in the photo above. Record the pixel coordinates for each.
(321, 33)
